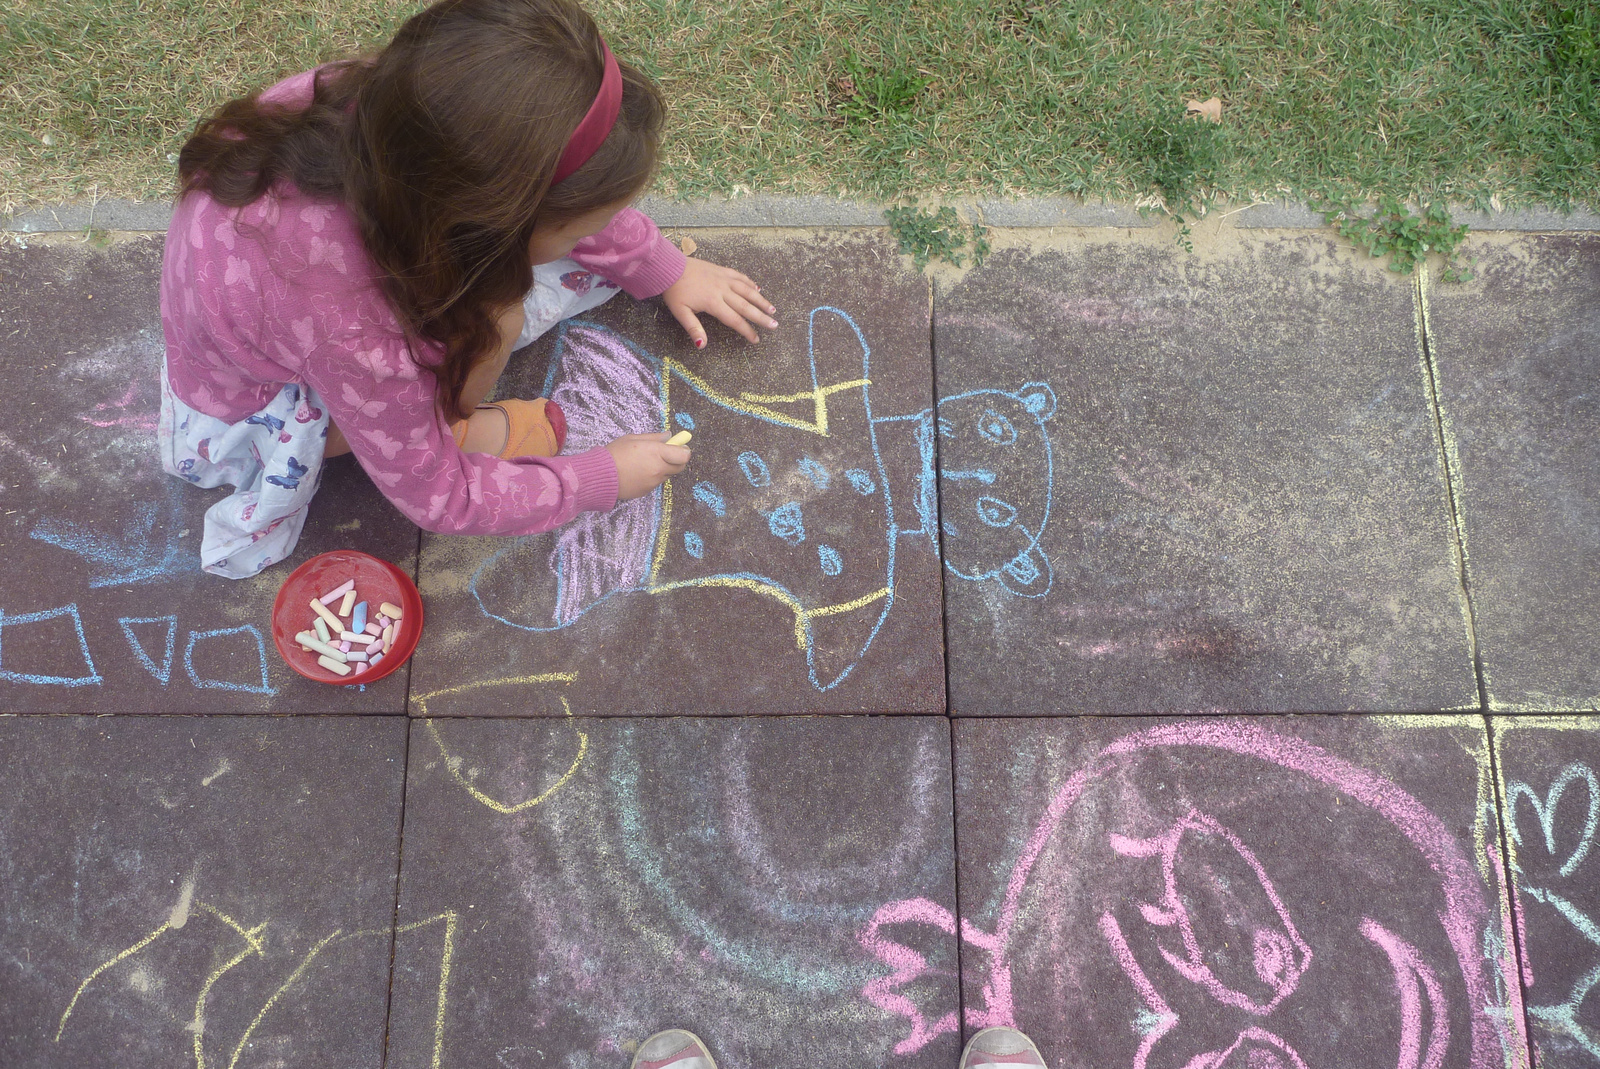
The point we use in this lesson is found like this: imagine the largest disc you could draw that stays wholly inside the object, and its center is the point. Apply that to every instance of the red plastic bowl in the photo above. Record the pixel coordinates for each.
(377, 581)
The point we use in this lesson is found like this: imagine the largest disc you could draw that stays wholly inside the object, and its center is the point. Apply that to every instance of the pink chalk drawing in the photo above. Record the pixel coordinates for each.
(115, 414)
(1279, 957)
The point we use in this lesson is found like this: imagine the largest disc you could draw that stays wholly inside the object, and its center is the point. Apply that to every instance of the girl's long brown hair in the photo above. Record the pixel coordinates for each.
(442, 146)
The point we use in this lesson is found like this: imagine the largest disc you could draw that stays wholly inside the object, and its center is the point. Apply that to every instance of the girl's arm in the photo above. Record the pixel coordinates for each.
(385, 405)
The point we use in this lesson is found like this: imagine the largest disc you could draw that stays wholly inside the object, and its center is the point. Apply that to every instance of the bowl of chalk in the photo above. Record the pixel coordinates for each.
(346, 617)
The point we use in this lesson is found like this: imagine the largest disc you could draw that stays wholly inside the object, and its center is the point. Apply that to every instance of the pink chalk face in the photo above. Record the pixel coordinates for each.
(1211, 894)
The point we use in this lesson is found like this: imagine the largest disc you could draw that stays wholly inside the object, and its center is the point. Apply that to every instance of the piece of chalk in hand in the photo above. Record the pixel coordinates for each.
(681, 438)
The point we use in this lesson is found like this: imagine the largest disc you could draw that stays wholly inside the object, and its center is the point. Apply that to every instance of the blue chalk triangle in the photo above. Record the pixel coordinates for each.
(164, 672)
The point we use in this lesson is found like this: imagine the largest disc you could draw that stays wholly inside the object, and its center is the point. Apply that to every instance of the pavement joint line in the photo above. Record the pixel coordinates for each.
(789, 211)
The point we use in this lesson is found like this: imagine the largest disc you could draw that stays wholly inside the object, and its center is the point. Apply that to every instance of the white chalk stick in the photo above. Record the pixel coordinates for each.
(310, 642)
(355, 655)
(376, 659)
(681, 438)
(352, 636)
(334, 623)
(338, 592)
(334, 666)
(347, 604)
(391, 611)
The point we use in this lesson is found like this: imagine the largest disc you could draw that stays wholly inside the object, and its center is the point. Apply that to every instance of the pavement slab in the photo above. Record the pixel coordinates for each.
(1269, 891)
(1550, 786)
(1202, 482)
(782, 572)
(1518, 357)
(600, 879)
(203, 890)
(105, 608)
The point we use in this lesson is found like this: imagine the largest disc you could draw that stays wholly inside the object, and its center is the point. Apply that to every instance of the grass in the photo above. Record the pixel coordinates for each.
(1480, 102)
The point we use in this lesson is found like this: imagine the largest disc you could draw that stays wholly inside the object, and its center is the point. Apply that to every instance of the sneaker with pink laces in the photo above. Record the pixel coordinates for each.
(674, 1048)
(1001, 1048)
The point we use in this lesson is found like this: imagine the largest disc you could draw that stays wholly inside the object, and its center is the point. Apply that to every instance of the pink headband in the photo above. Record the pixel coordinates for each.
(596, 125)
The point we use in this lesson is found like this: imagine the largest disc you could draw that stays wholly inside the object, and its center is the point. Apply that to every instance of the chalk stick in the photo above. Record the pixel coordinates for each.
(391, 611)
(334, 623)
(347, 604)
(338, 592)
(394, 636)
(355, 655)
(373, 629)
(358, 619)
(681, 438)
(358, 667)
(383, 621)
(322, 629)
(353, 636)
(307, 639)
(375, 659)
(344, 647)
(334, 666)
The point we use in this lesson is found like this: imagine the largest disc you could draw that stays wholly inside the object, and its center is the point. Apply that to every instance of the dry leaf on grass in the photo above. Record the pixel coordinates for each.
(688, 246)
(1211, 109)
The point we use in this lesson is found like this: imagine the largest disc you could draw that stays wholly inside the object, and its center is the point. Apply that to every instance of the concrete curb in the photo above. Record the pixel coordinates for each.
(819, 211)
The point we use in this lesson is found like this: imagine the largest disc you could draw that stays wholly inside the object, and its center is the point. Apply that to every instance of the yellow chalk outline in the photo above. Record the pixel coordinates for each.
(252, 937)
(501, 807)
(750, 404)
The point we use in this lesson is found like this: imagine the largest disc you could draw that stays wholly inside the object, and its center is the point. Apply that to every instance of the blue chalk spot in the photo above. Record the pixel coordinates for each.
(816, 473)
(831, 562)
(693, 545)
(948, 528)
(754, 468)
(684, 420)
(786, 523)
(982, 475)
(996, 428)
(709, 496)
(861, 481)
(996, 513)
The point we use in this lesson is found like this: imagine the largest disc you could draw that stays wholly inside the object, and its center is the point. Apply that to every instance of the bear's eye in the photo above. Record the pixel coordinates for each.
(996, 428)
(996, 513)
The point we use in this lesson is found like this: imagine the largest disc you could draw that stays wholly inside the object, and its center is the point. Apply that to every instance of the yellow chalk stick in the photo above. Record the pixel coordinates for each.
(335, 624)
(391, 611)
(348, 604)
(681, 438)
(334, 666)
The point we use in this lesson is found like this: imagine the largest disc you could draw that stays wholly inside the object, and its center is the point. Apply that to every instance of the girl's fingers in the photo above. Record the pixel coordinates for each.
(750, 293)
(733, 319)
(751, 312)
(690, 323)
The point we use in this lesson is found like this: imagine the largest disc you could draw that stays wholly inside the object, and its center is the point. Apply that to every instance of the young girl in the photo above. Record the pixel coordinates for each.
(357, 250)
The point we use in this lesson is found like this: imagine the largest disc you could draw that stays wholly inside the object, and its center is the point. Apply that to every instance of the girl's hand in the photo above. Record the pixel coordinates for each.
(725, 293)
(644, 461)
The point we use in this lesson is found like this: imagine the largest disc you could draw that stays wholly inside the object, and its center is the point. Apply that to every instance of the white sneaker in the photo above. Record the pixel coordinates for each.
(675, 1048)
(1000, 1048)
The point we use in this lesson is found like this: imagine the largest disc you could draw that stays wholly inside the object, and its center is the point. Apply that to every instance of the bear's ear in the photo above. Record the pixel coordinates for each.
(1038, 398)
(1028, 574)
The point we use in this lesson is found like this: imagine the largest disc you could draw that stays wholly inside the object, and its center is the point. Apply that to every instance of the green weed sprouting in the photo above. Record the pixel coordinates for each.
(925, 234)
(1403, 236)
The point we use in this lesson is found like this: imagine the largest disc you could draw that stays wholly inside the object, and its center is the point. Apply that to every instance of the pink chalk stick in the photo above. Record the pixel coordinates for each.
(338, 592)
(344, 647)
(373, 629)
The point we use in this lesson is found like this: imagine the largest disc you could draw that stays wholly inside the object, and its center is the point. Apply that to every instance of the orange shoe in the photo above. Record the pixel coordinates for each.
(536, 428)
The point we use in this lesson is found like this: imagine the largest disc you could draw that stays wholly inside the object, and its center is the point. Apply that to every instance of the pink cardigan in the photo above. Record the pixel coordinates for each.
(282, 291)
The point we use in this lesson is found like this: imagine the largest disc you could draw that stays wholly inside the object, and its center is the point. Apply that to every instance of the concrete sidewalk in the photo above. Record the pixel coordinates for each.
(1180, 655)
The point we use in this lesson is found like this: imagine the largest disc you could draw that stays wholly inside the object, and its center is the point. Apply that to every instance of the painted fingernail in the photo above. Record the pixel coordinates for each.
(773, 323)
(699, 343)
